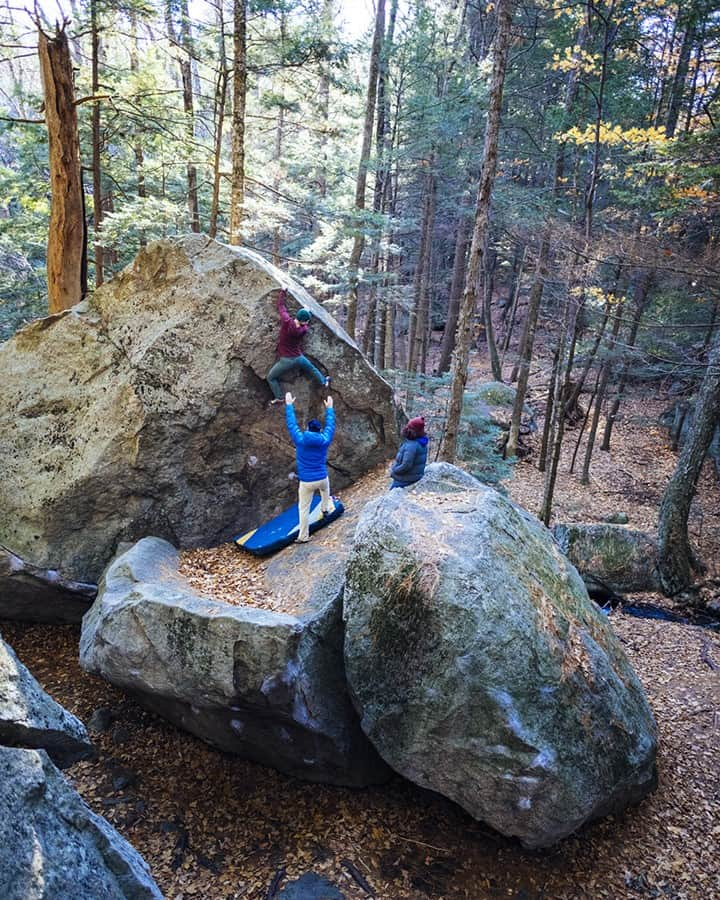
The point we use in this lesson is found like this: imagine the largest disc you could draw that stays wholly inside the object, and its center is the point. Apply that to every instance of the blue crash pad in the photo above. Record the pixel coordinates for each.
(283, 529)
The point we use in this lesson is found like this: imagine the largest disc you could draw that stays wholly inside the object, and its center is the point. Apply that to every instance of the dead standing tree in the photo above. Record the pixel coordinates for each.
(676, 559)
(461, 355)
(67, 237)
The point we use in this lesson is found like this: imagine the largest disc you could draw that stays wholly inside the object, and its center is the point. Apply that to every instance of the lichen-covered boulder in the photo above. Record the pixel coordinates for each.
(145, 412)
(496, 401)
(610, 556)
(266, 685)
(31, 718)
(53, 846)
(481, 668)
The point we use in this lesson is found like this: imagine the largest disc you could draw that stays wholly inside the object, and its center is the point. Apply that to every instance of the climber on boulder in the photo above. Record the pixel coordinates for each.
(293, 329)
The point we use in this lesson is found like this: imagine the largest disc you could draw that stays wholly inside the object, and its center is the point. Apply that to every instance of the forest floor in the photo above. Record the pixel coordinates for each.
(213, 826)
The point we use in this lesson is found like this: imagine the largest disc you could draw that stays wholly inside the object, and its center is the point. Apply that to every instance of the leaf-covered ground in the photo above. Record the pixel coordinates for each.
(214, 826)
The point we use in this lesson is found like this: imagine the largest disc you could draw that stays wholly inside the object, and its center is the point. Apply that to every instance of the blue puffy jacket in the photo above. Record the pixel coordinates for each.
(312, 446)
(409, 465)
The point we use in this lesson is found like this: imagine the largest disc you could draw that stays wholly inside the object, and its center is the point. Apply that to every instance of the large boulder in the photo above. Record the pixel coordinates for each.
(145, 412)
(610, 556)
(31, 718)
(265, 685)
(53, 846)
(481, 668)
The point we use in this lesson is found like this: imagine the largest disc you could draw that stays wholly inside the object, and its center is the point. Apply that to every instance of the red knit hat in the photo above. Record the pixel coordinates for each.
(415, 428)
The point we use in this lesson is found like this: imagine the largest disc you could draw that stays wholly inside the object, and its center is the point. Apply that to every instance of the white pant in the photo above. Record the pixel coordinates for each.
(306, 491)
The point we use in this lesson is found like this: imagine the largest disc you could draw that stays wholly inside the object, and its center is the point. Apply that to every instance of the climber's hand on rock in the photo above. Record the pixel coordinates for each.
(328, 403)
(289, 399)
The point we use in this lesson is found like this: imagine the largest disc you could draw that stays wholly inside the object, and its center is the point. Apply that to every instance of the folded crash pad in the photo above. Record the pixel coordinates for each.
(283, 529)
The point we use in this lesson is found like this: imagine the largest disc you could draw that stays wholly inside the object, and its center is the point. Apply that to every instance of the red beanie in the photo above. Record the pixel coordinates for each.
(415, 428)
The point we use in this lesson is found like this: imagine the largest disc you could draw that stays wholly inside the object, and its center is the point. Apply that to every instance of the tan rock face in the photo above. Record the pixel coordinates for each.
(145, 411)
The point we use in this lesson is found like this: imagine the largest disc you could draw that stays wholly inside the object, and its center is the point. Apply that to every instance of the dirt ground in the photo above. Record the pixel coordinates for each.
(213, 826)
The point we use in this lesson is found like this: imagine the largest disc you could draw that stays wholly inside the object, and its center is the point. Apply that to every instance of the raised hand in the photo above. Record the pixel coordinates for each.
(289, 399)
(328, 403)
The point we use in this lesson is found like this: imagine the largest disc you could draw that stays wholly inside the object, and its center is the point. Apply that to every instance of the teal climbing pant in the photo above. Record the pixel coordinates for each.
(285, 365)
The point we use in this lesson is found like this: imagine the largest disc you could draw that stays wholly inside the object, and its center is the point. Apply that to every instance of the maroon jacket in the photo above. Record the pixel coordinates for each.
(291, 334)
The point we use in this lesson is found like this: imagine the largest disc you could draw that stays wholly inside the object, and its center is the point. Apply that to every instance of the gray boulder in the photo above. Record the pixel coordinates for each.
(145, 411)
(481, 668)
(496, 400)
(31, 718)
(265, 685)
(53, 846)
(31, 594)
(610, 556)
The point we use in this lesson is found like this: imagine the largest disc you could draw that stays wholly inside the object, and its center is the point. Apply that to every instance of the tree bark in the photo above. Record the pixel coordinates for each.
(422, 293)
(189, 106)
(361, 183)
(676, 558)
(220, 100)
(456, 287)
(461, 355)
(137, 146)
(489, 262)
(526, 358)
(237, 178)
(557, 431)
(642, 290)
(603, 380)
(681, 72)
(67, 283)
(96, 146)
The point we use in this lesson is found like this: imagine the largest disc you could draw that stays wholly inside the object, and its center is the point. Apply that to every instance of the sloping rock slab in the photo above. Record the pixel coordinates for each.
(31, 718)
(265, 685)
(145, 412)
(53, 846)
(31, 594)
(481, 668)
(610, 556)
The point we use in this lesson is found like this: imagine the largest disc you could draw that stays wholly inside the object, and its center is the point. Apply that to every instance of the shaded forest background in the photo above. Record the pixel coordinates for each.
(354, 163)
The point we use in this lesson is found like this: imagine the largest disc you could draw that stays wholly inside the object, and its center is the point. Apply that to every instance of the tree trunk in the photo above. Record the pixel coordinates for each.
(675, 555)
(96, 146)
(681, 72)
(137, 146)
(383, 148)
(512, 303)
(220, 101)
(461, 353)
(490, 259)
(600, 395)
(562, 390)
(188, 105)
(422, 299)
(640, 300)
(361, 183)
(237, 178)
(67, 283)
(549, 408)
(456, 287)
(526, 358)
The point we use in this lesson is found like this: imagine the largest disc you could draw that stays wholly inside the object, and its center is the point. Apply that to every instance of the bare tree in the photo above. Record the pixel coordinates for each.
(461, 354)
(67, 239)
(237, 179)
(361, 183)
(676, 559)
